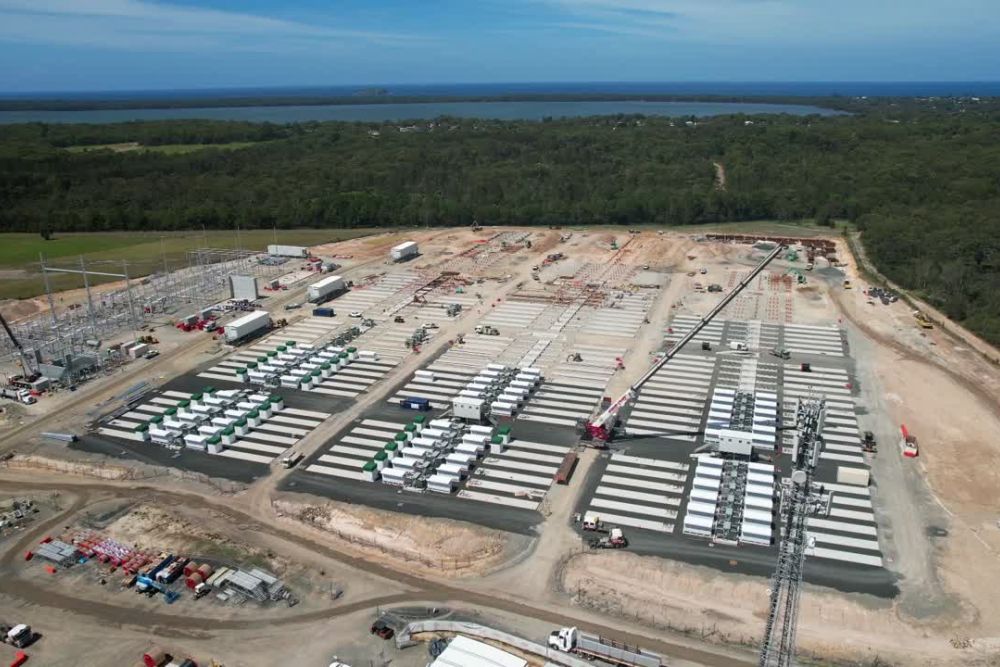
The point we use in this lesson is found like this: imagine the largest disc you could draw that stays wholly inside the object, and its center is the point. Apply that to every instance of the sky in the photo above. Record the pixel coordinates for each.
(103, 45)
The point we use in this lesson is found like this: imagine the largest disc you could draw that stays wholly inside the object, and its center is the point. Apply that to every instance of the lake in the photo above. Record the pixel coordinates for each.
(529, 110)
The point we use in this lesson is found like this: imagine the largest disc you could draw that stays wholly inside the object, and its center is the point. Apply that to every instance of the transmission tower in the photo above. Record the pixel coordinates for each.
(799, 500)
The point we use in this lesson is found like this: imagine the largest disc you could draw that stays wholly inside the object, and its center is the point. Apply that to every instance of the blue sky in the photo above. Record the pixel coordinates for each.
(152, 44)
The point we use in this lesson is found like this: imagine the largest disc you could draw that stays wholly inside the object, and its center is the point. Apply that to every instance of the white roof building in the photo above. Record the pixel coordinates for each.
(465, 652)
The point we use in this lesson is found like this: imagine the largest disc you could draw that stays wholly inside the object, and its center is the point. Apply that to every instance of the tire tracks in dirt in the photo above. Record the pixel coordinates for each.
(166, 624)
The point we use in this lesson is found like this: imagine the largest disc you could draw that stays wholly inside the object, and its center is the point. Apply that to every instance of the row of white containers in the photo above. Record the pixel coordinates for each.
(513, 395)
(427, 442)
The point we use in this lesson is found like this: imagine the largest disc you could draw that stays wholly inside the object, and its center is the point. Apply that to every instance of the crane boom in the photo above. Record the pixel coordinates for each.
(26, 368)
(602, 426)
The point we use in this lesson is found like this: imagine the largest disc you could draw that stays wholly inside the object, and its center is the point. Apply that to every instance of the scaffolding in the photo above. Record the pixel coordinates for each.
(140, 295)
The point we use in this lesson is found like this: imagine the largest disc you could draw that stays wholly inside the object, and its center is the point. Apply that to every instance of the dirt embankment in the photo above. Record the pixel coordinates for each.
(731, 609)
(431, 544)
(113, 471)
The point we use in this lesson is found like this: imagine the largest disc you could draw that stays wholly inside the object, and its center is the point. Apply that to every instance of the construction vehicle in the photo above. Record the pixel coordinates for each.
(868, 442)
(781, 353)
(18, 394)
(922, 320)
(615, 539)
(26, 366)
(595, 647)
(574, 357)
(602, 427)
(18, 636)
(908, 443)
(487, 330)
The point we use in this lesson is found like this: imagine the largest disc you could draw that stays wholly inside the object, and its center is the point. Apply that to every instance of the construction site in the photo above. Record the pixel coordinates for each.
(498, 446)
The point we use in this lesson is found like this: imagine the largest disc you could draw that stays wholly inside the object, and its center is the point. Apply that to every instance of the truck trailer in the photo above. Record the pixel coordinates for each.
(322, 290)
(403, 251)
(287, 251)
(243, 327)
(572, 640)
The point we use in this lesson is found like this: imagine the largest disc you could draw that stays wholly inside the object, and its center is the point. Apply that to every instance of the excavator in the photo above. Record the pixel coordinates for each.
(601, 428)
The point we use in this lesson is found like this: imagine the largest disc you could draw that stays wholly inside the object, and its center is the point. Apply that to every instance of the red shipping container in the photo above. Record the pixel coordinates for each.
(19, 659)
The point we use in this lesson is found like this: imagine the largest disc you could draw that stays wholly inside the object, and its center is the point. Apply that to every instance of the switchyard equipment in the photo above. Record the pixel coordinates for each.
(799, 500)
(403, 251)
(322, 290)
(601, 428)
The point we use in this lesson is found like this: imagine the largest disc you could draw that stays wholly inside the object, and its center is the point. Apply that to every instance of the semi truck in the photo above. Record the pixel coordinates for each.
(594, 647)
(322, 290)
(18, 394)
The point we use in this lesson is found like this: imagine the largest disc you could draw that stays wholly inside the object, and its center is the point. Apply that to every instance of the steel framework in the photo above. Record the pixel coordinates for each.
(142, 294)
(798, 501)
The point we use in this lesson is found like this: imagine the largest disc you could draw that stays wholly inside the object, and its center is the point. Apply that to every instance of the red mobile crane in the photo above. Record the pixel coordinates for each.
(602, 427)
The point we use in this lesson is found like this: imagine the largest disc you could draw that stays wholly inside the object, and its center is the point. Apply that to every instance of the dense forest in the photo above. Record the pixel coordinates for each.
(921, 180)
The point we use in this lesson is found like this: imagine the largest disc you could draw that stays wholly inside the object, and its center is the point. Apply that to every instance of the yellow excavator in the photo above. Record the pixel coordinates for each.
(922, 320)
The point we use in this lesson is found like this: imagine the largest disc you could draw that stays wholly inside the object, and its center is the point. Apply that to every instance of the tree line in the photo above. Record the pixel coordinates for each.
(921, 180)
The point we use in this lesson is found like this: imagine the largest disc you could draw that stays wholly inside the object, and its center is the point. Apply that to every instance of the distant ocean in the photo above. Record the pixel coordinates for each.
(505, 110)
(790, 88)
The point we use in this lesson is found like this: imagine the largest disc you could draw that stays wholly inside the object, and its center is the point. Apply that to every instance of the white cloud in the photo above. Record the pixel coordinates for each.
(130, 24)
(803, 22)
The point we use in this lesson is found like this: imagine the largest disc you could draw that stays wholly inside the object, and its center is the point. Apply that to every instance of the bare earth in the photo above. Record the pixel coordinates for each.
(938, 514)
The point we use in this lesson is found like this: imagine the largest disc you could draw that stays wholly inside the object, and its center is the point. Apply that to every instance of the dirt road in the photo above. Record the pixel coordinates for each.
(425, 591)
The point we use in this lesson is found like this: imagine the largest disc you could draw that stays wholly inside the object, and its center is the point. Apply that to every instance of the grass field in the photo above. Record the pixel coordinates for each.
(169, 149)
(145, 252)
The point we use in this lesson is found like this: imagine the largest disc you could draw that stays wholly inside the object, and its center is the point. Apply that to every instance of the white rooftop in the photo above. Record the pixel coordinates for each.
(465, 652)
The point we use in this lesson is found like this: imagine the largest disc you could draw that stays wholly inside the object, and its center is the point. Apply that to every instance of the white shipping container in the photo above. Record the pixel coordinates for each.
(853, 476)
(287, 251)
(403, 251)
(321, 289)
(242, 327)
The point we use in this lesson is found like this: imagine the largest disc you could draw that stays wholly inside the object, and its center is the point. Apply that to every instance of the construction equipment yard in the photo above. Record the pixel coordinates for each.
(433, 432)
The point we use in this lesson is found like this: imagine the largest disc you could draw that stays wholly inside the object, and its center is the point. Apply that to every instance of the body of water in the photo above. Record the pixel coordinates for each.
(534, 110)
